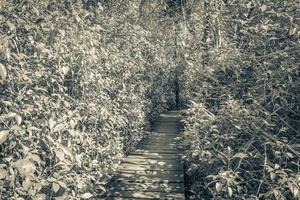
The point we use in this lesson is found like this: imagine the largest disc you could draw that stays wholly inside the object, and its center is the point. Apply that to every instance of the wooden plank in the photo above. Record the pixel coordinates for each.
(166, 129)
(174, 120)
(157, 157)
(158, 142)
(153, 151)
(149, 177)
(168, 117)
(151, 142)
(159, 146)
(146, 161)
(133, 167)
(166, 147)
(146, 187)
(159, 151)
(164, 135)
(154, 154)
(161, 173)
(162, 138)
(146, 195)
(174, 117)
(173, 124)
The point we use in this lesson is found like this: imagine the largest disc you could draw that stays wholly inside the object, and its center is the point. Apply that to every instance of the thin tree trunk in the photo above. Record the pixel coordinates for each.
(205, 54)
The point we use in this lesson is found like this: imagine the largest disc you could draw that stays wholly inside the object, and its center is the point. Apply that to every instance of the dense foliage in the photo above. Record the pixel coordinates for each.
(243, 82)
(80, 81)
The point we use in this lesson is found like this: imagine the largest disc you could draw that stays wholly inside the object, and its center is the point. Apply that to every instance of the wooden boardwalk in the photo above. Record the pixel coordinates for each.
(154, 169)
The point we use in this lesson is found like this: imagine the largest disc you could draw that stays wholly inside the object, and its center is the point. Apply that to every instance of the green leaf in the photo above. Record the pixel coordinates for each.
(26, 184)
(278, 195)
(3, 136)
(62, 32)
(263, 8)
(51, 124)
(102, 188)
(3, 73)
(293, 31)
(294, 189)
(219, 186)
(86, 196)
(78, 19)
(230, 192)
(33, 157)
(18, 119)
(11, 26)
(16, 128)
(9, 115)
(62, 184)
(25, 167)
(59, 154)
(40, 20)
(3, 174)
(55, 187)
(240, 155)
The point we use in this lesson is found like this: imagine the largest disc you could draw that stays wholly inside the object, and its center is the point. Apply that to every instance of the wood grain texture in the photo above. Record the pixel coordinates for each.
(154, 170)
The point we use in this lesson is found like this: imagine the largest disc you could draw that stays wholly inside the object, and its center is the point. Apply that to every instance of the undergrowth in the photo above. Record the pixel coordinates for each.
(242, 126)
(80, 83)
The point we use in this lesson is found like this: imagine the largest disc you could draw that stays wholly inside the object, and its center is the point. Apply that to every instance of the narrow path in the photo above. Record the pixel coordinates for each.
(153, 170)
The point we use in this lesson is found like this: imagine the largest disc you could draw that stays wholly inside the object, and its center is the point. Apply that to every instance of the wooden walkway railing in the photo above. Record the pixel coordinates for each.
(154, 169)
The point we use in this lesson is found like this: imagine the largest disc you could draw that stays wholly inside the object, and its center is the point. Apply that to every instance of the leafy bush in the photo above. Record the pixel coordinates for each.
(242, 130)
(79, 85)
